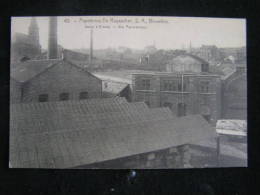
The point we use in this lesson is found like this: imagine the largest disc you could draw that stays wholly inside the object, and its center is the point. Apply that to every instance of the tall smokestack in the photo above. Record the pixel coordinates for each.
(53, 43)
(91, 47)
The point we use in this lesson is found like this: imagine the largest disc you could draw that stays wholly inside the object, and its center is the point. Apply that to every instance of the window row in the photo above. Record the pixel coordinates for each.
(62, 96)
(175, 85)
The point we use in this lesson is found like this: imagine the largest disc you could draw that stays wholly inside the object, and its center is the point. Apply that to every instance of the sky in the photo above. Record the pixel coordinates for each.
(138, 32)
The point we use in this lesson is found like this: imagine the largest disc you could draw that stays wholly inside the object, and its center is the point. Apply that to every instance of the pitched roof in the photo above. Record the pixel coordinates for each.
(182, 58)
(74, 133)
(25, 71)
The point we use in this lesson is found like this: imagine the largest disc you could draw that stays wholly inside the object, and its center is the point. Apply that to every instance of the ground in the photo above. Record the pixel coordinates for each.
(233, 153)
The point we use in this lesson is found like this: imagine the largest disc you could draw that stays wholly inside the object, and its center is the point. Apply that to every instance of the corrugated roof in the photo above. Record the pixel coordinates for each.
(73, 133)
(24, 71)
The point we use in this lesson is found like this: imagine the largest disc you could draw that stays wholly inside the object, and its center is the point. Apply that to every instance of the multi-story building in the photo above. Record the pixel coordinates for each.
(188, 89)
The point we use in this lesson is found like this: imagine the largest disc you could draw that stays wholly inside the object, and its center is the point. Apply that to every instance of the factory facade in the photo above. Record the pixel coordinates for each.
(52, 80)
(187, 88)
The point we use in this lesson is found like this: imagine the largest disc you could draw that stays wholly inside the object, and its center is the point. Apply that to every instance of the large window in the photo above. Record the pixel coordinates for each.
(64, 96)
(83, 95)
(174, 85)
(169, 85)
(43, 98)
(204, 86)
(146, 85)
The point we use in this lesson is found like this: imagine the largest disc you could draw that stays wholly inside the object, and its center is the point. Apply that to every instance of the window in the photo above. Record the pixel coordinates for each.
(169, 85)
(146, 84)
(204, 67)
(181, 109)
(64, 96)
(174, 85)
(167, 104)
(105, 85)
(204, 86)
(83, 95)
(43, 97)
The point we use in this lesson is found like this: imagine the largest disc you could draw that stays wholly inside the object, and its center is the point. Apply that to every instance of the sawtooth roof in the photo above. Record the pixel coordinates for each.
(73, 133)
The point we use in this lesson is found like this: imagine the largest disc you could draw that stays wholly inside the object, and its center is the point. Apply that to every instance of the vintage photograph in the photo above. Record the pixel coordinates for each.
(128, 92)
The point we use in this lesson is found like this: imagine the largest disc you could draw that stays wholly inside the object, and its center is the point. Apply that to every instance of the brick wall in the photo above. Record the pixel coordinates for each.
(62, 78)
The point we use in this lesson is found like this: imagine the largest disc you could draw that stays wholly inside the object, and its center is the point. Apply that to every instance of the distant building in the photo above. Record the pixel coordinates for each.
(26, 46)
(187, 63)
(239, 53)
(188, 88)
(52, 80)
(81, 59)
(208, 53)
(102, 133)
(234, 91)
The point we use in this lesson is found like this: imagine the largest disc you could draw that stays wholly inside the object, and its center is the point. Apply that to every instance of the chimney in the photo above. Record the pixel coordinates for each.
(52, 44)
(34, 32)
(91, 47)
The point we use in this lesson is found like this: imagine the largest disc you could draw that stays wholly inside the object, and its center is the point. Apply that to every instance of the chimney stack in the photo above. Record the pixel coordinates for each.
(53, 43)
(91, 47)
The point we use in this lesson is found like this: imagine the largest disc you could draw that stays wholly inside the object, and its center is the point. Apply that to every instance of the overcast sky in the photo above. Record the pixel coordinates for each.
(171, 33)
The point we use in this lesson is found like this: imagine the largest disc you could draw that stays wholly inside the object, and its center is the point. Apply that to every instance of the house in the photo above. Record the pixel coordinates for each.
(101, 133)
(51, 80)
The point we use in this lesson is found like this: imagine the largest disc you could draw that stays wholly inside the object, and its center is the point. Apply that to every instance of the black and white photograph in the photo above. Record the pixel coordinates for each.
(128, 92)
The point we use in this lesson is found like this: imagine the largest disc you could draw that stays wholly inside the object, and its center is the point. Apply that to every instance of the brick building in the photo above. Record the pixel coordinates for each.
(188, 88)
(52, 80)
(102, 133)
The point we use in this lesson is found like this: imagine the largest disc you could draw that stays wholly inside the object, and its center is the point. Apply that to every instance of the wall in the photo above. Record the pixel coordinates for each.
(175, 157)
(15, 91)
(235, 96)
(206, 103)
(62, 78)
